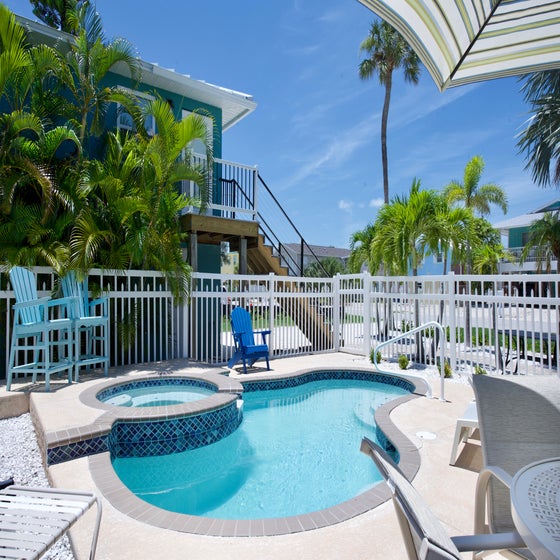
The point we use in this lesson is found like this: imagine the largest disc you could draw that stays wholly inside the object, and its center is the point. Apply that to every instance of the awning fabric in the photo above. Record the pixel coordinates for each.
(464, 41)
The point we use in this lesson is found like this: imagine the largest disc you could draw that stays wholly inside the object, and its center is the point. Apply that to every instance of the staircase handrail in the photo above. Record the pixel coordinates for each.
(404, 335)
(303, 243)
(269, 234)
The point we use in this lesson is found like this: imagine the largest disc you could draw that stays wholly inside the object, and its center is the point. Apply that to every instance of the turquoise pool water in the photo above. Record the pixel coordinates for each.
(296, 451)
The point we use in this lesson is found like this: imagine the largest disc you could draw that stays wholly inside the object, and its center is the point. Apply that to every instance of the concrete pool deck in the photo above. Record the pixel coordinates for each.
(428, 423)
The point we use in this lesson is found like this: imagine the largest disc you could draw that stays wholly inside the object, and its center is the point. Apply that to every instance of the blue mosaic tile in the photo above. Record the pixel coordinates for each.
(154, 382)
(357, 375)
(161, 437)
(76, 450)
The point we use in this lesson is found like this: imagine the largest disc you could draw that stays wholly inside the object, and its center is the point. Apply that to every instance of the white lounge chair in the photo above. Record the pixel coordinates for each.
(424, 536)
(33, 519)
(519, 423)
(466, 425)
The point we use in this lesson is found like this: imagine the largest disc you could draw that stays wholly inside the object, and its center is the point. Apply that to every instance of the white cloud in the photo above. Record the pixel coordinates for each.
(333, 153)
(345, 205)
(419, 102)
(376, 203)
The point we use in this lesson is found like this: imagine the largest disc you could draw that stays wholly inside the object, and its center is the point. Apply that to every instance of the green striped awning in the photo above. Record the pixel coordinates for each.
(464, 41)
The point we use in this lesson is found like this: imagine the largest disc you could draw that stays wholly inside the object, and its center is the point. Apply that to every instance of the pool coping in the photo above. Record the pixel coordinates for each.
(129, 504)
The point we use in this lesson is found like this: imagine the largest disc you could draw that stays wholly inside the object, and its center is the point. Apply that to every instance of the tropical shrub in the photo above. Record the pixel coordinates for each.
(403, 361)
(377, 354)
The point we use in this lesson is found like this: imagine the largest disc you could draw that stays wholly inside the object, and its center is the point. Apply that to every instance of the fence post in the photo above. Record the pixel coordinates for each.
(452, 309)
(271, 310)
(337, 311)
(366, 279)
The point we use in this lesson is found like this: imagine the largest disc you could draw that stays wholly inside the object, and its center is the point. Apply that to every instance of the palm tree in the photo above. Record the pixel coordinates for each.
(404, 234)
(37, 192)
(544, 242)
(360, 249)
(475, 196)
(541, 138)
(329, 265)
(60, 14)
(36, 175)
(90, 58)
(452, 231)
(131, 213)
(404, 231)
(387, 51)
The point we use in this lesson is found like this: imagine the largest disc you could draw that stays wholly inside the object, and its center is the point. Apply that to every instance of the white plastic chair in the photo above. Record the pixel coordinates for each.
(519, 423)
(424, 536)
(466, 425)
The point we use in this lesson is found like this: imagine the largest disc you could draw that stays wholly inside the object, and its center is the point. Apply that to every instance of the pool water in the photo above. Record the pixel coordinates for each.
(157, 395)
(296, 451)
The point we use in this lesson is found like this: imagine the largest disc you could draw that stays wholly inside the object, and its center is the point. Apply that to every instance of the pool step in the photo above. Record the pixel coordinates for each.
(364, 414)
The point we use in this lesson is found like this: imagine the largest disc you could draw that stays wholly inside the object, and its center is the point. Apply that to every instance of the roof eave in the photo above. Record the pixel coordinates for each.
(234, 105)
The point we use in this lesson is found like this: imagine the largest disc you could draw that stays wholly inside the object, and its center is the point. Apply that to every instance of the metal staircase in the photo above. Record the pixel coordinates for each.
(241, 200)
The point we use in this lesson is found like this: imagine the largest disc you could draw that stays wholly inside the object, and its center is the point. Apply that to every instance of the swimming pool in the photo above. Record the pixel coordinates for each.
(296, 451)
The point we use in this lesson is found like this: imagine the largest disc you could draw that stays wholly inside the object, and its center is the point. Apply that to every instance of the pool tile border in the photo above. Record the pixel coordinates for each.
(128, 503)
(74, 443)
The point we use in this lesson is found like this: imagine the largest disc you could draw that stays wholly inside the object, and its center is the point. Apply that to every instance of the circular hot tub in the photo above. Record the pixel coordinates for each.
(156, 392)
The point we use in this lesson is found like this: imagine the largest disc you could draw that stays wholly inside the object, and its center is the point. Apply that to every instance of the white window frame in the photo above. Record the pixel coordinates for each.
(124, 120)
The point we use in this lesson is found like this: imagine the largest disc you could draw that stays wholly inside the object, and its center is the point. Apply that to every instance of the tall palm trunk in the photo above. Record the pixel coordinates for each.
(384, 119)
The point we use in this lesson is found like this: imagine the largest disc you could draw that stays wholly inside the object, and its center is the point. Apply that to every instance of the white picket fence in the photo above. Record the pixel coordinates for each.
(512, 319)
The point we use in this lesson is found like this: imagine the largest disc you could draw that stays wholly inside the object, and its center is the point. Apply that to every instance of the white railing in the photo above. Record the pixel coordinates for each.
(233, 189)
(513, 320)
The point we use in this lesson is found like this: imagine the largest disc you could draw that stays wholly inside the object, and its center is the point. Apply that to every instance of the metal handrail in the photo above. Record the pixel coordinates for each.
(268, 231)
(404, 335)
(303, 243)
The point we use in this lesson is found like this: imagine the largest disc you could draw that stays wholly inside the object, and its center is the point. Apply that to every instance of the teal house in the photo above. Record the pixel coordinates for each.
(232, 215)
(515, 233)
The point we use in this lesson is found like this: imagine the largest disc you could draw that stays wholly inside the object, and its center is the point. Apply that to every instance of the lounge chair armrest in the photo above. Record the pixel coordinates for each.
(494, 541)
(100, 301)
(263, 334)
(481, 490)
(43, 302)
(6, 483)
(62, 301)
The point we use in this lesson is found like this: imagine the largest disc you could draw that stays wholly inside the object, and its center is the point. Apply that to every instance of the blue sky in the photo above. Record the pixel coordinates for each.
(315, 134)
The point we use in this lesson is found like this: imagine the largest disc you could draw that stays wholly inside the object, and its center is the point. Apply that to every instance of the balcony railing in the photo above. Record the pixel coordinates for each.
(232, 190)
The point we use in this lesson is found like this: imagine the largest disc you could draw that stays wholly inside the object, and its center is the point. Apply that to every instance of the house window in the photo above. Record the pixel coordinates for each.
(438, 258)
(124, 120)
(524, 238)
(197, 147)
(197, 153)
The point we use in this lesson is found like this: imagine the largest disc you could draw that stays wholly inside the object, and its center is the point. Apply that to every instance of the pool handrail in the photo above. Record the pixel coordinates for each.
(441, 357)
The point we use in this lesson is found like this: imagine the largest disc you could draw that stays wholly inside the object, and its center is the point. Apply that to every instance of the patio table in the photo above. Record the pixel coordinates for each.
(535, 498)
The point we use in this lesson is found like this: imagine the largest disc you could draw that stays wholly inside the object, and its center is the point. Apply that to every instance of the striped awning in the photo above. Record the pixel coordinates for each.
(464, 41)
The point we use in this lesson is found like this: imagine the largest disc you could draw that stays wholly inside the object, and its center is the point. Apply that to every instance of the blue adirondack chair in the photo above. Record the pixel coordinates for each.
(245, 348)
(90, 318)
(33, 332)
